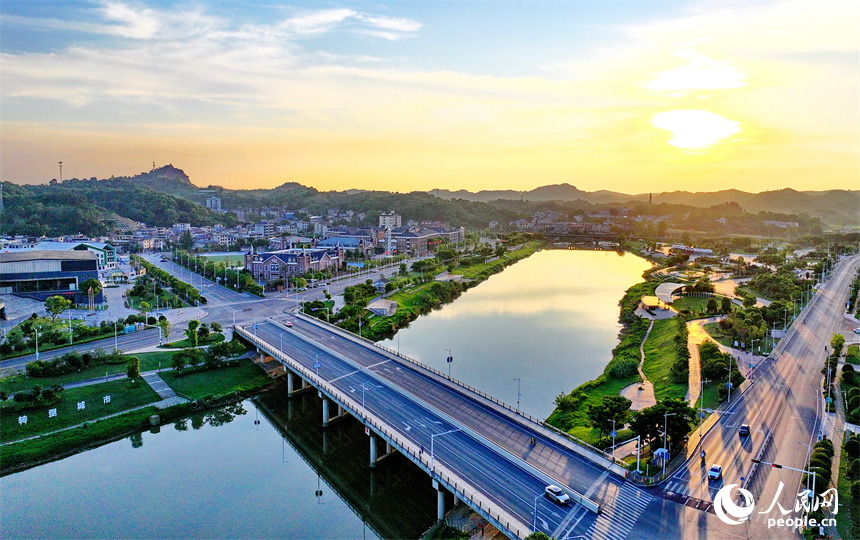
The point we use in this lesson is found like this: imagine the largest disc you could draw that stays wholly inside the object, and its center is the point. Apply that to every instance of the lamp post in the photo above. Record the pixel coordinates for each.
(666, 436)
(729, 383)
(518, 393)
(432, 442)
(702, 405)
(36, 331)
(534, 519)
(115, 347)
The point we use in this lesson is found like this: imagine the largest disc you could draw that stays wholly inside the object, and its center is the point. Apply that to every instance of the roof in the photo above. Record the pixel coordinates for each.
(50, 255)
(49, 245)
(664, 291)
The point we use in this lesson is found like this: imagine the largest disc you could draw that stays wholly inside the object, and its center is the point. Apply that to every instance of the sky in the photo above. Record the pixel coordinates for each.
(633, 96)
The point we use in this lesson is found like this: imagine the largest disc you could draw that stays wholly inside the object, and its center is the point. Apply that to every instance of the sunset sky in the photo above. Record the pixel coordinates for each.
(401, 96)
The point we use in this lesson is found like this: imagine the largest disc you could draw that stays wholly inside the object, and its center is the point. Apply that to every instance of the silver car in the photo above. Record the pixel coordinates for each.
(715, 473)
(556, 494)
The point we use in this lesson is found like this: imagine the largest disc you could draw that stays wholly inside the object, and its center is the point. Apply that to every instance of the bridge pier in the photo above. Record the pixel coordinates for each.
(440, 502)
(291, 384)
(325, 412)
(372, 450)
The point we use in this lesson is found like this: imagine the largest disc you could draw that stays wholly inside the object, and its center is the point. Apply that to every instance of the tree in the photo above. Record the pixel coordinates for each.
(203, 331)
(650, 422)
(608, 409)
(726, 304)
(144, 308)
(133, 369)
(166, 328)
(712, 306)
(191, 332)
(186, 242)
(55, 305)
(215, 327)
(91, 283)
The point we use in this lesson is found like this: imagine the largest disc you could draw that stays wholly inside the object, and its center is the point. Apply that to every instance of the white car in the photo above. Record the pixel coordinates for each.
(857, 330)
(556, 494)
(715, 472)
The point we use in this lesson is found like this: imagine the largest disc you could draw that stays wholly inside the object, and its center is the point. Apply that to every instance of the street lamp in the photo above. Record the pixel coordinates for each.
(518, 393)
(432, 441)
(36, 331)
(450, 360)
(666, 436)
(534, 519)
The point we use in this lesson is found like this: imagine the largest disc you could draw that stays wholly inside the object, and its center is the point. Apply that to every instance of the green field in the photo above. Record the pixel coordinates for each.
(218, 382)
(121, 399)
(230, 260)
(149, 361)
(660, 356)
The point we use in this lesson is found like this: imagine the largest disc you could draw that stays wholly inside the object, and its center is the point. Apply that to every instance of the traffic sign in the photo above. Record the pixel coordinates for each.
(317, 365)
(613, 434)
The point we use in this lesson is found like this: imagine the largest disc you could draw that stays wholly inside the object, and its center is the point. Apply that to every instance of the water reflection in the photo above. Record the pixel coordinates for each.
(220, 474)
(550, 320)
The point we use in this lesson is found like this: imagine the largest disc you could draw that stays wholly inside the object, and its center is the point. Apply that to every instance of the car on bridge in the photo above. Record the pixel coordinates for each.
(556, 494)
(744, 430)
(288, 324)
(857, 330)
(715, 472)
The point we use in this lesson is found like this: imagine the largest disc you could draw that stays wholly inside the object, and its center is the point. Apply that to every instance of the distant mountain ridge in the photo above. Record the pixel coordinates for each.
(784, 200)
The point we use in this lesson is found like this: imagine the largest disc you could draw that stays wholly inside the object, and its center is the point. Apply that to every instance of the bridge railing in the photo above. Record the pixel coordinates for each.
(596, 455)
(456, 485)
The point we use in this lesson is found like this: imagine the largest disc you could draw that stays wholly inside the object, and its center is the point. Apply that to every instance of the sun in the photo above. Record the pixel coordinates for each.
(695, 129)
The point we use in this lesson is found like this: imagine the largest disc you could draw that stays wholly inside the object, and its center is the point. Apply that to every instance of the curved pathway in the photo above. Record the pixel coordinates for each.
(645, 397)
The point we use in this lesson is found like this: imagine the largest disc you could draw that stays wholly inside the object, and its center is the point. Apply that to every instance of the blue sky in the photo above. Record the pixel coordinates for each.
(418, 95)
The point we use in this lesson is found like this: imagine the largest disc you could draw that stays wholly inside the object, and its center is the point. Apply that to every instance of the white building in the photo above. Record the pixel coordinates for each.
(389, 220)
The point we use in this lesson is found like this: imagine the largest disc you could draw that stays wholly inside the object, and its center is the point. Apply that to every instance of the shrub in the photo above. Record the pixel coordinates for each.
(852, 447)
(622, 368)
(847, 367)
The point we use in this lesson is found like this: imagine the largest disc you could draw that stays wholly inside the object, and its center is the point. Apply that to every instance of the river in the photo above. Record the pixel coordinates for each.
(550, 320)
(266, 468)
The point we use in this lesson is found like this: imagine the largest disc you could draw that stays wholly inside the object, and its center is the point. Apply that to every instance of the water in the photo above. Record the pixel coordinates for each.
(550, 320)
(220, 475)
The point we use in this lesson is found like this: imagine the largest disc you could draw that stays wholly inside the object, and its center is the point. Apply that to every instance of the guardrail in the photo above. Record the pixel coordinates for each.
(602, 459)
(456, 485)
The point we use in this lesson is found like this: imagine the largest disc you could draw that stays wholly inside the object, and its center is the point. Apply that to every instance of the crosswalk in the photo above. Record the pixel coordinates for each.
(618, 516)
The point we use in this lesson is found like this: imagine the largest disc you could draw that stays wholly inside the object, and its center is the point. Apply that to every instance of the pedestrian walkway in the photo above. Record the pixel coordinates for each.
(617, 517)
(641, 394)
(157, 383)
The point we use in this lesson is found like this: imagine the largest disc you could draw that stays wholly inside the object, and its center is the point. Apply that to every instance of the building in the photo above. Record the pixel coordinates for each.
(382, 307)
(213, 203)
(421, 242)
(389, 220)
(39, 274)
(281, 265)
(106, 253)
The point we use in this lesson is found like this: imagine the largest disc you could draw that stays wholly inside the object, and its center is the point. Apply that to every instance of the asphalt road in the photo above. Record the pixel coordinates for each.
(124, 342)
(783, 407)
(492, 451)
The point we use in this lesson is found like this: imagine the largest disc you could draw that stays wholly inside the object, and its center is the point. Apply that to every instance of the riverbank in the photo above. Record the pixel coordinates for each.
(429, 294)
(117, 416)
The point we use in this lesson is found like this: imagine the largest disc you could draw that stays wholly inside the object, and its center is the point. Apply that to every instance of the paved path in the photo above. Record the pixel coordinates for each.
(157, 383)
(642, 393)
(696, 335)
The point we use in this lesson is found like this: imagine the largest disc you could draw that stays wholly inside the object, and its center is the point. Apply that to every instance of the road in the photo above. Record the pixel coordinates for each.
(490, 440)
(124, 342)
(783, 406)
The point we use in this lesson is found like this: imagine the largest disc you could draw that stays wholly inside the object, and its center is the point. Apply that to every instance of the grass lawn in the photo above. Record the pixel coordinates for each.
(853, 354)
(472, 272)
(148, 362)
(247, 375)
(660, 357)
(696, 306)
(38, 422)
(579, 419)
(713, 330)
(211, 339)
(230, 260)
(848, 519)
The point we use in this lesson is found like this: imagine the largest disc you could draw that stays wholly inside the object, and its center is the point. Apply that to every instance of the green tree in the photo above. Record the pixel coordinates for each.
(144, 308)
(133, 369)
(726, 305)
(191, 331)
(215, 327)
(608, 409)
(55, 305)
(186, 242)
(203, 331)
(837, 342)
(166, 328)
(650, 422)
(711, 306)
(91, 283)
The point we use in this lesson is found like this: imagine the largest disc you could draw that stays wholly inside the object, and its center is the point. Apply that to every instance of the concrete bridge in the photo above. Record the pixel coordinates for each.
(472, 446)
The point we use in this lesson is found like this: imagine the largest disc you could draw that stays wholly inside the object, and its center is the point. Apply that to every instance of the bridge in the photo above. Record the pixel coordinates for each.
(471, 445)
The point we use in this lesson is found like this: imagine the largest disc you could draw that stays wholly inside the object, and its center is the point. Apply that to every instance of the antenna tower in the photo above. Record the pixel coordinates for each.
(61, 170)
